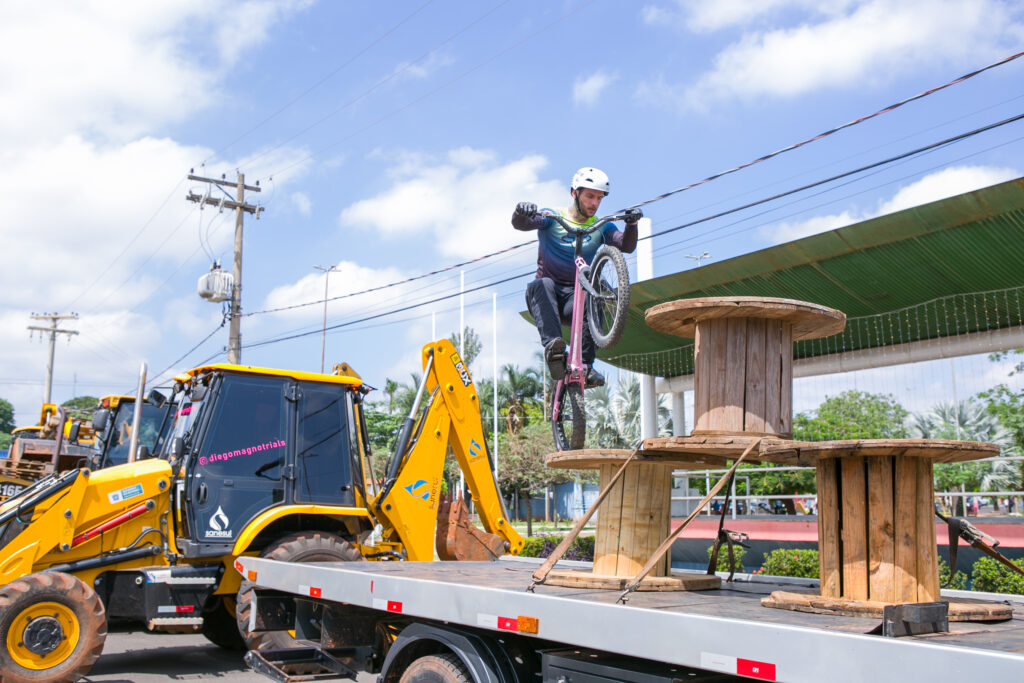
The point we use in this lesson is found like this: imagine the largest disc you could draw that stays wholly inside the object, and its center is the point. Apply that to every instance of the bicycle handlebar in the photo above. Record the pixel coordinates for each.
(596, 225)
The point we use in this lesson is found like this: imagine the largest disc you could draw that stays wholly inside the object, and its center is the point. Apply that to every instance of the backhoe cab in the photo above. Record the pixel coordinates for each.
(258, 462)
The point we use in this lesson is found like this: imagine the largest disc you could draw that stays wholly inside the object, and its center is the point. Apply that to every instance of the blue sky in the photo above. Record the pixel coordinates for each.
(393, 139)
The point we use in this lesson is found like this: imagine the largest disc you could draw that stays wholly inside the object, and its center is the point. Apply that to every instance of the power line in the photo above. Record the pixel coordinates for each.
(187, 353)
(394, 74)
(320, 82)
(877, 164)
(831, 131)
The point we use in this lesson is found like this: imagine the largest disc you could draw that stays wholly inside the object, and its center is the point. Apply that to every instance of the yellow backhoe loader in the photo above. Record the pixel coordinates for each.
(259, 462)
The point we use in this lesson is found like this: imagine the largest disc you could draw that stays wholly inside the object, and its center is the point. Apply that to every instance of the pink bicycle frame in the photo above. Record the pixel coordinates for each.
(576, 369)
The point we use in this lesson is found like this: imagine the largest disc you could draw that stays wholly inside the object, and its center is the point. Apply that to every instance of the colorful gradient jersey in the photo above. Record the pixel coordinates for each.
(556, 247)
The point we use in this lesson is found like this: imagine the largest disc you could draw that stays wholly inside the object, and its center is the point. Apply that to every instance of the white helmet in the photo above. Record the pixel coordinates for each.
(591, 178)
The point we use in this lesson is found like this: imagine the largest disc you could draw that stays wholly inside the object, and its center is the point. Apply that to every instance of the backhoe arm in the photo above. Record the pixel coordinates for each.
(409, 501)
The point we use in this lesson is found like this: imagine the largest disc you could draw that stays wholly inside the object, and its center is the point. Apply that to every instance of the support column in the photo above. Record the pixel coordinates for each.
(678, 413)
(648, 408)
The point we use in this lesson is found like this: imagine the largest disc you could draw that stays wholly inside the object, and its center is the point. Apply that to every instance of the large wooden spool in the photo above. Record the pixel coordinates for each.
(743, 357)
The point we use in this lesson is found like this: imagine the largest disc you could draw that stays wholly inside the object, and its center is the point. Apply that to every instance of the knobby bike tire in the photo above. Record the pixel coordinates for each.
(571, 417)
(606, 316)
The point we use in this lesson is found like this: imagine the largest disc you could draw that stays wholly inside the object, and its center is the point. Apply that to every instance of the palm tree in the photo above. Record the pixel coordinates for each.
(613, 419)
(517, 390)
(405, 394)
(390, 387)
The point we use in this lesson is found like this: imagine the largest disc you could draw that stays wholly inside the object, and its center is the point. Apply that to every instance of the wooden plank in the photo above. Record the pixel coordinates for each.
(927, 562)
(702, 377)
(854, 528)
(959, 609)
(631, 514)
(718, 335)
(677, 582)
(753, 401)
(786, 381)
(606, 536)
(828, 528)
(881, 533)
(905, 550)
(735, 374)
(772, 374)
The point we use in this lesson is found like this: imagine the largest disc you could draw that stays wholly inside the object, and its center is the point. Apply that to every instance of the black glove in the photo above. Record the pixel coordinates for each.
(631, 216)
(527, 209)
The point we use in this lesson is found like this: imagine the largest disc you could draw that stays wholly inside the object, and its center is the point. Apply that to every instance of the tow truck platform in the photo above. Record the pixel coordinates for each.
(725, 630)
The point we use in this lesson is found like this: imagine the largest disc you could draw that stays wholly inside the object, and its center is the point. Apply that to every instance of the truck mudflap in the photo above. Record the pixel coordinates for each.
(302, 664)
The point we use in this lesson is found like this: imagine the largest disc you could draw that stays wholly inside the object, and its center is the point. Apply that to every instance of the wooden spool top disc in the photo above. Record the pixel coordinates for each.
(810, 321)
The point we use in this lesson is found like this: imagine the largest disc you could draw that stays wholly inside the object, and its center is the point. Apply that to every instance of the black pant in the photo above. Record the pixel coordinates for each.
(550, 304)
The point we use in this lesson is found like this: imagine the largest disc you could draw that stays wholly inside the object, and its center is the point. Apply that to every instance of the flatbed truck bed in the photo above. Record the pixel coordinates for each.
(726, 631)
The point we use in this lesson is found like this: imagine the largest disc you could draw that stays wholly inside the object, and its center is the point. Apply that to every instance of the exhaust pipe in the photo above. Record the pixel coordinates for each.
(133, 447)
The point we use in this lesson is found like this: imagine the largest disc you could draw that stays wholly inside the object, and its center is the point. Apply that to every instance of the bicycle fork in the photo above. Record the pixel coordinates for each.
(576, 369)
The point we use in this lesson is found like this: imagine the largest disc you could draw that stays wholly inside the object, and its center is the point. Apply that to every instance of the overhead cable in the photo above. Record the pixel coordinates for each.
(831, 131)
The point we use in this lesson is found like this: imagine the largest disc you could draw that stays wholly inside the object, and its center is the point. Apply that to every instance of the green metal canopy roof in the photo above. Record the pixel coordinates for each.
(941, 269)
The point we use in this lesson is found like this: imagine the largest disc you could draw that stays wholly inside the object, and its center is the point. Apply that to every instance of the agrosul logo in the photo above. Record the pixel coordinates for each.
(219, 525)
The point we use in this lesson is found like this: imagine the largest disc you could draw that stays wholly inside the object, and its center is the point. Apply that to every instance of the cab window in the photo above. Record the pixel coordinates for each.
(247, 433)
(322, 458)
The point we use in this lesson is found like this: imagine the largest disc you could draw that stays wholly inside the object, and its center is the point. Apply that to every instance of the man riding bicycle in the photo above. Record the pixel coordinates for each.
(549, 296)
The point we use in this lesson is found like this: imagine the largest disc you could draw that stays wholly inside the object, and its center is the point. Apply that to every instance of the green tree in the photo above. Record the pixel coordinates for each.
(472, 345)
(518, 391)
(6, 416)
(613, 418)
(853, 415)
(969, 420)
(522, 467)
(81, 407)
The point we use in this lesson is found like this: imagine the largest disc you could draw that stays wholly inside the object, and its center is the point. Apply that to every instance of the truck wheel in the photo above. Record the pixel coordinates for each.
(219, 625)
(305, 546)
(440, 668)
(52, 628)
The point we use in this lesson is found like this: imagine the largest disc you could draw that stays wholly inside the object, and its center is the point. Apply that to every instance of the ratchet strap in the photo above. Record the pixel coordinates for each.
(541, 574)
(961, 528)
(667, 543)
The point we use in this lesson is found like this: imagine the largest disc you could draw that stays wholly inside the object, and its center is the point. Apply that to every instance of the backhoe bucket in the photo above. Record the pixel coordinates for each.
(458, 540)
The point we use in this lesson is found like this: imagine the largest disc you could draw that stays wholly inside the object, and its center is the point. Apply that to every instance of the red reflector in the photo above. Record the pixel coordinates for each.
(762, 670)
(238, 566)
(185, 609)
(394, 606)
(506, 624)
(314, 592)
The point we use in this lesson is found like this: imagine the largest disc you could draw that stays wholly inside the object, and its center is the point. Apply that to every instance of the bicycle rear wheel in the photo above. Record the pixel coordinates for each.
(606, 313)
(570, 429)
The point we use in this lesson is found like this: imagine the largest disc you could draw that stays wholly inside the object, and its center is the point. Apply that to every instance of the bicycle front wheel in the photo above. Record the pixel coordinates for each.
(570, 427)
(606, 313)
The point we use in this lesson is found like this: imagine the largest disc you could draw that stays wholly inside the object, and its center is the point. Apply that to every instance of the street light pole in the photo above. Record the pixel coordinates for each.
(323, 339)
(699, 257)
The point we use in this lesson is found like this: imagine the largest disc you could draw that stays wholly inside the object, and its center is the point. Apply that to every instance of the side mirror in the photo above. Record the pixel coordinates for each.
(143, 452)
(177, 449)
(156, 398)
(198, 393)
(76, 427)
(100, 418)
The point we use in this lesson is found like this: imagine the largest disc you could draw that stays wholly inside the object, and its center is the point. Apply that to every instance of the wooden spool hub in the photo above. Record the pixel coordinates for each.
(876, 526)
(743, 357)
(632, 522)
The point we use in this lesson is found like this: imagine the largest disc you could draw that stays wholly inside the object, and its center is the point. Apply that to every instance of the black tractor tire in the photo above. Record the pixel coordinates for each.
(220, 626)
(606, 316)
(304, 546)
(570, 429)
(52, 629)
(439, 668)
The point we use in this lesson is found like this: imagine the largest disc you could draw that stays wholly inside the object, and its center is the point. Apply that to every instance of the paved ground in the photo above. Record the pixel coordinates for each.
(136, 656)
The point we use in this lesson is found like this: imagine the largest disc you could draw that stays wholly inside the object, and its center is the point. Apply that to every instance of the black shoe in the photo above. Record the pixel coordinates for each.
(594, 379)
(554, 356)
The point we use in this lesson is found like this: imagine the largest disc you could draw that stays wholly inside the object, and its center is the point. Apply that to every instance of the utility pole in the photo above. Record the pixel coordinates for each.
(323, 339)
(241, 208)
(53, 331)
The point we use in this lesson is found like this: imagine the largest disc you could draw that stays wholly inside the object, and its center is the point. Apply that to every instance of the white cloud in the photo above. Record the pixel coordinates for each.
(458, 207)
(713, 15)
(426, 67)
(945, 183)
(586, 91)
(302, 203)
(872, 41)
